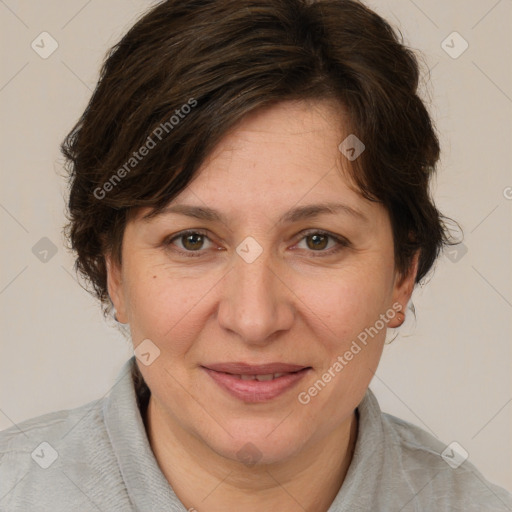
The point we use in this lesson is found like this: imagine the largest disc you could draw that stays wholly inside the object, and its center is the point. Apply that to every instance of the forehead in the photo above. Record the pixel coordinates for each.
(307, 132)
(278, 156)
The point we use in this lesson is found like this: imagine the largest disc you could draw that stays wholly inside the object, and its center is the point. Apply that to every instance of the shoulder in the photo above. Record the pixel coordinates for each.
(50, 430)
(52, 423)
(54, 427)
(440, 475)
(61, 451)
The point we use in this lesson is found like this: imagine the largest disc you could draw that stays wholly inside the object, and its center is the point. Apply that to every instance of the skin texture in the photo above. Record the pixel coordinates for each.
(295, 303)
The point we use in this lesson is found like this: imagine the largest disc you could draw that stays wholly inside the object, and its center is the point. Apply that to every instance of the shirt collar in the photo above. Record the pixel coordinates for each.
(147, 486)
(361, 483)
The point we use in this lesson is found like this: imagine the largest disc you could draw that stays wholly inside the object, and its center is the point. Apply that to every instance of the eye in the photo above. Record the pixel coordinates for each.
(191, 241)
(317, 241)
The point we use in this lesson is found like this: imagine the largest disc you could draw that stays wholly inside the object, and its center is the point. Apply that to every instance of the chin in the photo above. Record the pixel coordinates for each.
(258, 445)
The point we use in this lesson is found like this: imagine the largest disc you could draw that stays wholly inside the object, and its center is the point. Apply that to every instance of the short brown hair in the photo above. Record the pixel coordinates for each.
(188, 71)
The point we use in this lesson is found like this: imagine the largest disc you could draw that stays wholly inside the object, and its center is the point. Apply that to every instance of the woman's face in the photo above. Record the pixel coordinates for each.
(273, 282)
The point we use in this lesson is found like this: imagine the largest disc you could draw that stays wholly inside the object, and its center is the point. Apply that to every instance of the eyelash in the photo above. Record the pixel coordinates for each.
(342, 243)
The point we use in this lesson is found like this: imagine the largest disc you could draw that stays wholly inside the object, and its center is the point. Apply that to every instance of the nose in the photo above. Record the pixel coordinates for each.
(256, 301)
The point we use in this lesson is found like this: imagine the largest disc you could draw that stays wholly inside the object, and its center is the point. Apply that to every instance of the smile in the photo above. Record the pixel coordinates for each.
(256, 387)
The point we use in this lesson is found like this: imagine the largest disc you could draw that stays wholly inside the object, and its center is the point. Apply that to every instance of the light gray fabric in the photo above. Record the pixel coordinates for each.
(105, 463)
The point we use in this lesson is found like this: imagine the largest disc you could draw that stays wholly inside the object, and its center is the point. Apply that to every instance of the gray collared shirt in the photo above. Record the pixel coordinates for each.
(97, 457)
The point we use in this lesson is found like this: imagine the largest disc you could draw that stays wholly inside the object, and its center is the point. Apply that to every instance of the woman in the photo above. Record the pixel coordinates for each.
(249, 194)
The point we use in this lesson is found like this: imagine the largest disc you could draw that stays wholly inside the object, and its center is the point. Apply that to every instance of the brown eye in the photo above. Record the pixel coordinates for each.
(193, 241)
(188, 243)
(318, 241)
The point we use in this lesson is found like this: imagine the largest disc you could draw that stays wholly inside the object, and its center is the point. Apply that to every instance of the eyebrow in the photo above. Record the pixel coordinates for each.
(294, 215)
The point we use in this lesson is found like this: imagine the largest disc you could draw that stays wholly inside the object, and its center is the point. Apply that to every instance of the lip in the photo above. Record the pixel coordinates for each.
(225, 375)
(238, 368)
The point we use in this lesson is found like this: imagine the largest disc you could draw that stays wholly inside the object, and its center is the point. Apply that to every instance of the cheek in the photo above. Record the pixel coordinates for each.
(164, 305)
(350, 341)
(346, 303)
(169, 304)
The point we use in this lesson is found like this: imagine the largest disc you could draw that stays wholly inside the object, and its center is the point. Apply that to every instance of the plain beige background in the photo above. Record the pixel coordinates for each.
(452, 376)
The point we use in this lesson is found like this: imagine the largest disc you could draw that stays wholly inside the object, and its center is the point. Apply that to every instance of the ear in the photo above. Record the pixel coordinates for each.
(403, 287)
(115, 288)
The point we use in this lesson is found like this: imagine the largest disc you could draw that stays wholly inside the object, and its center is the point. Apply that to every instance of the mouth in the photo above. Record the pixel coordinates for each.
(256, 383)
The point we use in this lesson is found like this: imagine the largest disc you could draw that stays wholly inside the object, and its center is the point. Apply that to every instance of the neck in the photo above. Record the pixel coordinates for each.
(207, 482)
